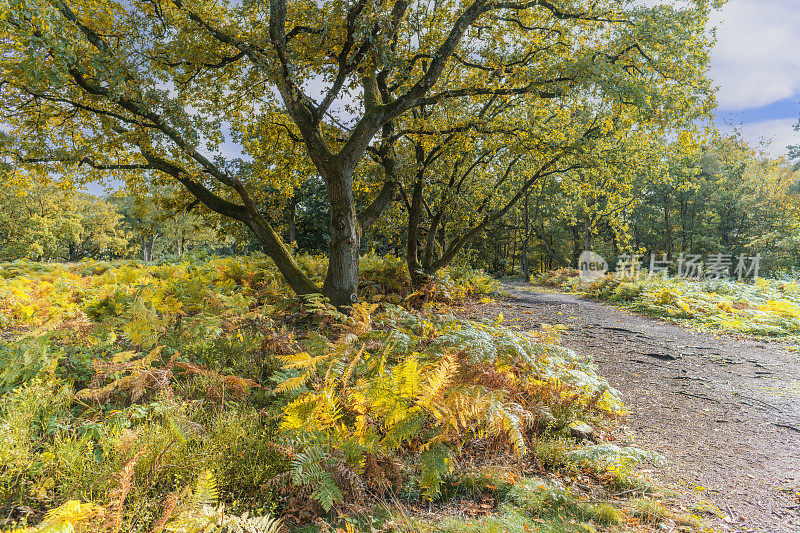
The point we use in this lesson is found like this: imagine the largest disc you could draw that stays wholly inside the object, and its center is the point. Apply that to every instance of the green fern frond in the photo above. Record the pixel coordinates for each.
(404, 429)
(608, 454)
(292, 384)
(327, 493)
(435, 463)
(205, 492)
(256, 524)
(307, 469)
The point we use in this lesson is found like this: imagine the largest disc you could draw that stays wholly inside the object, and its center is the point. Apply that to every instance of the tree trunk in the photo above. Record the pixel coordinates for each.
(275, 249)
(526, 228)
(576, 246)
(247, 214)
(150, 245)
(684, 211)
(341, 281)
(513, 254)
(667, 226)
(418, 277)
(587, 242)
(291, 213)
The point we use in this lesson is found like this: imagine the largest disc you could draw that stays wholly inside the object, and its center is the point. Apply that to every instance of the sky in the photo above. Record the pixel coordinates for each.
(756, 65)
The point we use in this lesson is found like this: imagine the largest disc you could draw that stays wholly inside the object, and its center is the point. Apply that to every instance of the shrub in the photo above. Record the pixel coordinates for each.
(381, 275)
(238, 447)
(649, 511)
(555, 278)
(30, 414)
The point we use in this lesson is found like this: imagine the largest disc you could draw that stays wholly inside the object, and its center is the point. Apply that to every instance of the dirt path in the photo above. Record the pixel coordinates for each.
(724, 412)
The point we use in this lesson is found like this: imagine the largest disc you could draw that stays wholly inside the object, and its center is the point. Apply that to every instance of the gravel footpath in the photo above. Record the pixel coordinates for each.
(724, 411)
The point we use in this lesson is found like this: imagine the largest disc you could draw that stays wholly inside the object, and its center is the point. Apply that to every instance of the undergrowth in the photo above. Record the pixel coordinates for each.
(201, 396)
(766, 308)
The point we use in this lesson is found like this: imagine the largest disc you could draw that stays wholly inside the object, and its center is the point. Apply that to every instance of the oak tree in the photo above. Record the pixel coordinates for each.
(153, 89)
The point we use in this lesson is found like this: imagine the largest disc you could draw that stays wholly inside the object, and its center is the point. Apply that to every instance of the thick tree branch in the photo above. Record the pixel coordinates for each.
(458, 244)
(385, 198)
(198, 190)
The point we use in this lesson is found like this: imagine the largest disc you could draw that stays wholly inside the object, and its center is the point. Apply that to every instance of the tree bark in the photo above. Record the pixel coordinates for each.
(513, 254)
(526, 228)
(667, 226)
(341, 280)
(246, 213)
(412, 245)
(291, 213)
(576, 246)
(587, 239)
(275, 249)
(457, 244)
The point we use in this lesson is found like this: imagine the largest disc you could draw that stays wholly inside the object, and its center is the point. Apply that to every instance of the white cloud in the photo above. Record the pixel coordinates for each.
(771, 136)
(755, 61)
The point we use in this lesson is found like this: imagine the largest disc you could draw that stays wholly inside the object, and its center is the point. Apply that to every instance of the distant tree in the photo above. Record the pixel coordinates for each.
(164, 221)
(44, 220)
(724, 198)
(100, 234)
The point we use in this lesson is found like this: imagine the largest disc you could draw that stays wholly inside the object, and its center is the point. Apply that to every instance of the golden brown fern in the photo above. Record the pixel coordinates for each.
(128, 374)
(437, 381)
(279, 343)
(120, 494)
(71, 516)
(236, 386)
(360, 320)
(170, 502)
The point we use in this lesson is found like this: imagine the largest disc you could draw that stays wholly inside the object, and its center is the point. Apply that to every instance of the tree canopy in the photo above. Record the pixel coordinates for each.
(155, 90)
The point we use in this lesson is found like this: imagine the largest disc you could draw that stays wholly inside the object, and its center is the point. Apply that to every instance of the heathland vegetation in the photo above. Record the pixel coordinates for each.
(260, 320)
